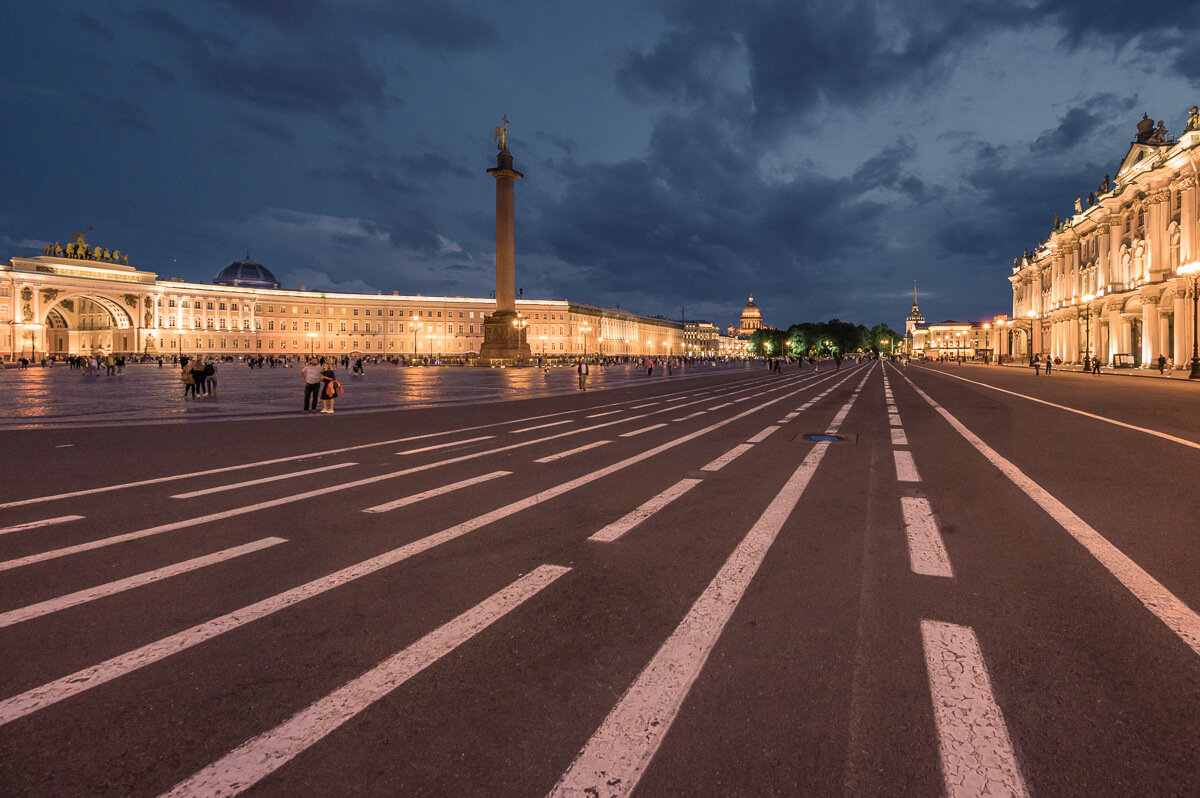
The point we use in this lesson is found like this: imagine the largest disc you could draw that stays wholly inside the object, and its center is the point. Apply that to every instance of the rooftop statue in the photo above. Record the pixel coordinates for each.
(1104, 186)
(1078, 204)
(501, 133)
(1159, 136)
(1193, 122)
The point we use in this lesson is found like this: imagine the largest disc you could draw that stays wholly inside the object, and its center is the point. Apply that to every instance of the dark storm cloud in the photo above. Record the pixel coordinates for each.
(272, 130)
(380, 185)
(433, 164)
(800, 57)
(696, 215)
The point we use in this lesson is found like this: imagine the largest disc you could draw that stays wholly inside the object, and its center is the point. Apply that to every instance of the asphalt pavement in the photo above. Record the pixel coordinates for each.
(867, 581)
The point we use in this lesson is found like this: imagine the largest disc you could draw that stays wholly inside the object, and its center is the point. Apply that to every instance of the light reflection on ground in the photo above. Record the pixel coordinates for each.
(59, 396)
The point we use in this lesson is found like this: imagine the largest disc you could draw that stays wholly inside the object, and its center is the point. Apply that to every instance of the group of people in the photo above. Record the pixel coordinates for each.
(320, 382)
(199, 376)
(1091, 365)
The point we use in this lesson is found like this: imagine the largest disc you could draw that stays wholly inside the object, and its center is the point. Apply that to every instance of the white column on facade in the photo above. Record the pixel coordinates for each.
(1158, 243)
(1189, 247)
(1116, 229)
(1183, 327)
(1149, 330)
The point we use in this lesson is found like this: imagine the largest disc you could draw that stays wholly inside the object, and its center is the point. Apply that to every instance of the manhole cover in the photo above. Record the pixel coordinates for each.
(819, 437)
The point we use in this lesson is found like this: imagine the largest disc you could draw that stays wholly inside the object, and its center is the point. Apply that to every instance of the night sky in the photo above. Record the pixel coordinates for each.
(819, 155)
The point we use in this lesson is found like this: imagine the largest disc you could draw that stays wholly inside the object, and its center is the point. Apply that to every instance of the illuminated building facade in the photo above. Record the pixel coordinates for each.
(1112, 280)
(60, 304)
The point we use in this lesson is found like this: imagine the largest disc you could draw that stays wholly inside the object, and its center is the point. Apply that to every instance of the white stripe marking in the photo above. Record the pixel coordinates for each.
(899, 438)
(609, 413)
(718, 407)
(551, 458)
(926, 550)
(976, 752)
(51, 693)
(256, 759)
(614, 759)
(762, 436)
(62, 519)
(693, 415)
(906, 469)
(648, 404)
(1165, 605)
(622, 525)
(432, 492)
(543, 426)
(894, 419)
(728, 457)
(263, 481)
(446, 445)
(101, 591)
(640, 431)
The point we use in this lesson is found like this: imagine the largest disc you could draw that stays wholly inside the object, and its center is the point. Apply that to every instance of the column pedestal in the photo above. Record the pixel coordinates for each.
(504, 344)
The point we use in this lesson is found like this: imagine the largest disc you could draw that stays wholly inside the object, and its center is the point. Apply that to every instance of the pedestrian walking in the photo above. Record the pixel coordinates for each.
(1049, 366)
(311, 374)
(1162, 364)
(1037, 365)
(1096, 365)
(197, 366)
(582, 370)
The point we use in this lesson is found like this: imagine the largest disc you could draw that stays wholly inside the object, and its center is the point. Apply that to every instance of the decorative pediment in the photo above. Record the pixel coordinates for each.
(1140, 158)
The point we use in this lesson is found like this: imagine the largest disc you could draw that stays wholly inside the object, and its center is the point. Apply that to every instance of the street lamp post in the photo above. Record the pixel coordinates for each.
(414, 325)
(1193, 270)
(311, 343)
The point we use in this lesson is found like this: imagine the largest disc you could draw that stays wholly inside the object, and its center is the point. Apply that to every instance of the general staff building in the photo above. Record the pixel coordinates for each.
(86, 300)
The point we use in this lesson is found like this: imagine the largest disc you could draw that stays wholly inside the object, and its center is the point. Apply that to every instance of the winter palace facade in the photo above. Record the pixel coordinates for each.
(87, 300)
(1116, 280)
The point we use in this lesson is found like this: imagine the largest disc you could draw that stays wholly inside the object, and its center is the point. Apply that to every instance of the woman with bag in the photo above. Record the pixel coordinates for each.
(331, 389)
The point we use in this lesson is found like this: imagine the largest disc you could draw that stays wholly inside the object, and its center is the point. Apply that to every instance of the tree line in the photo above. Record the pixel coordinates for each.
(824, 339)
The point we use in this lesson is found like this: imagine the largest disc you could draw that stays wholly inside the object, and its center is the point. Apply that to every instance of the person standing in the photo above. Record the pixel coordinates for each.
(582, 370)
(197, 367)
(311, 374)
(1162, 364)
(330, 387)
(1037, 365)
(1096, 365)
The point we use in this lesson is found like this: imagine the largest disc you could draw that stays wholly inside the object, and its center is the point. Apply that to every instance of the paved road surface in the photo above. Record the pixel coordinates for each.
(868, 582)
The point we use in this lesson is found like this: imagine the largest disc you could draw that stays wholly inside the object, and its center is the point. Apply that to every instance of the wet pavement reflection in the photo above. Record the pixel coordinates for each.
(61, 396)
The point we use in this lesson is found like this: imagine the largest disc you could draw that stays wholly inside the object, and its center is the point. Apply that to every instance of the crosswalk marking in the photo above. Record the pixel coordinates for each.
(762, 436)
(62, 519)
(129, 583)
(447, 445)
(640, 431)
(614, 759)
(552, 457)
(622, 525)
(432, 492)
(256, 759)
(262, 481)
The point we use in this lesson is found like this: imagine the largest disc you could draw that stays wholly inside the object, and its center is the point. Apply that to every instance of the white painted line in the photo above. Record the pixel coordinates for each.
(551, 458)
(256, 759)
(976, 752)
(432, 492)
(614, 759)
(62, 519)
(1165, 605)
(446, 445)
(609, 413)
(622, 525)
(1084, 413)
(719, 407)
(791, 415)
(762, 436)
(648, 404)
(101, 591)
(51, 693)
(906, 469)
(744, 399)
(693, 415)
(894, 419)
(263, 481)
(926, 550)
(728, 457)
(543, 426)
(640, 431)
(899, 438)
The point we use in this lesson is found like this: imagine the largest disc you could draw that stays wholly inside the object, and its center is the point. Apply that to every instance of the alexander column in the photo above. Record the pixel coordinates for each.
(504, 341)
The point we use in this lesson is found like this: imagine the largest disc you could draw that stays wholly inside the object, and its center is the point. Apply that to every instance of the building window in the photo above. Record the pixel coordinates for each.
(208, 306)
(343, 326)
(220, 306)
